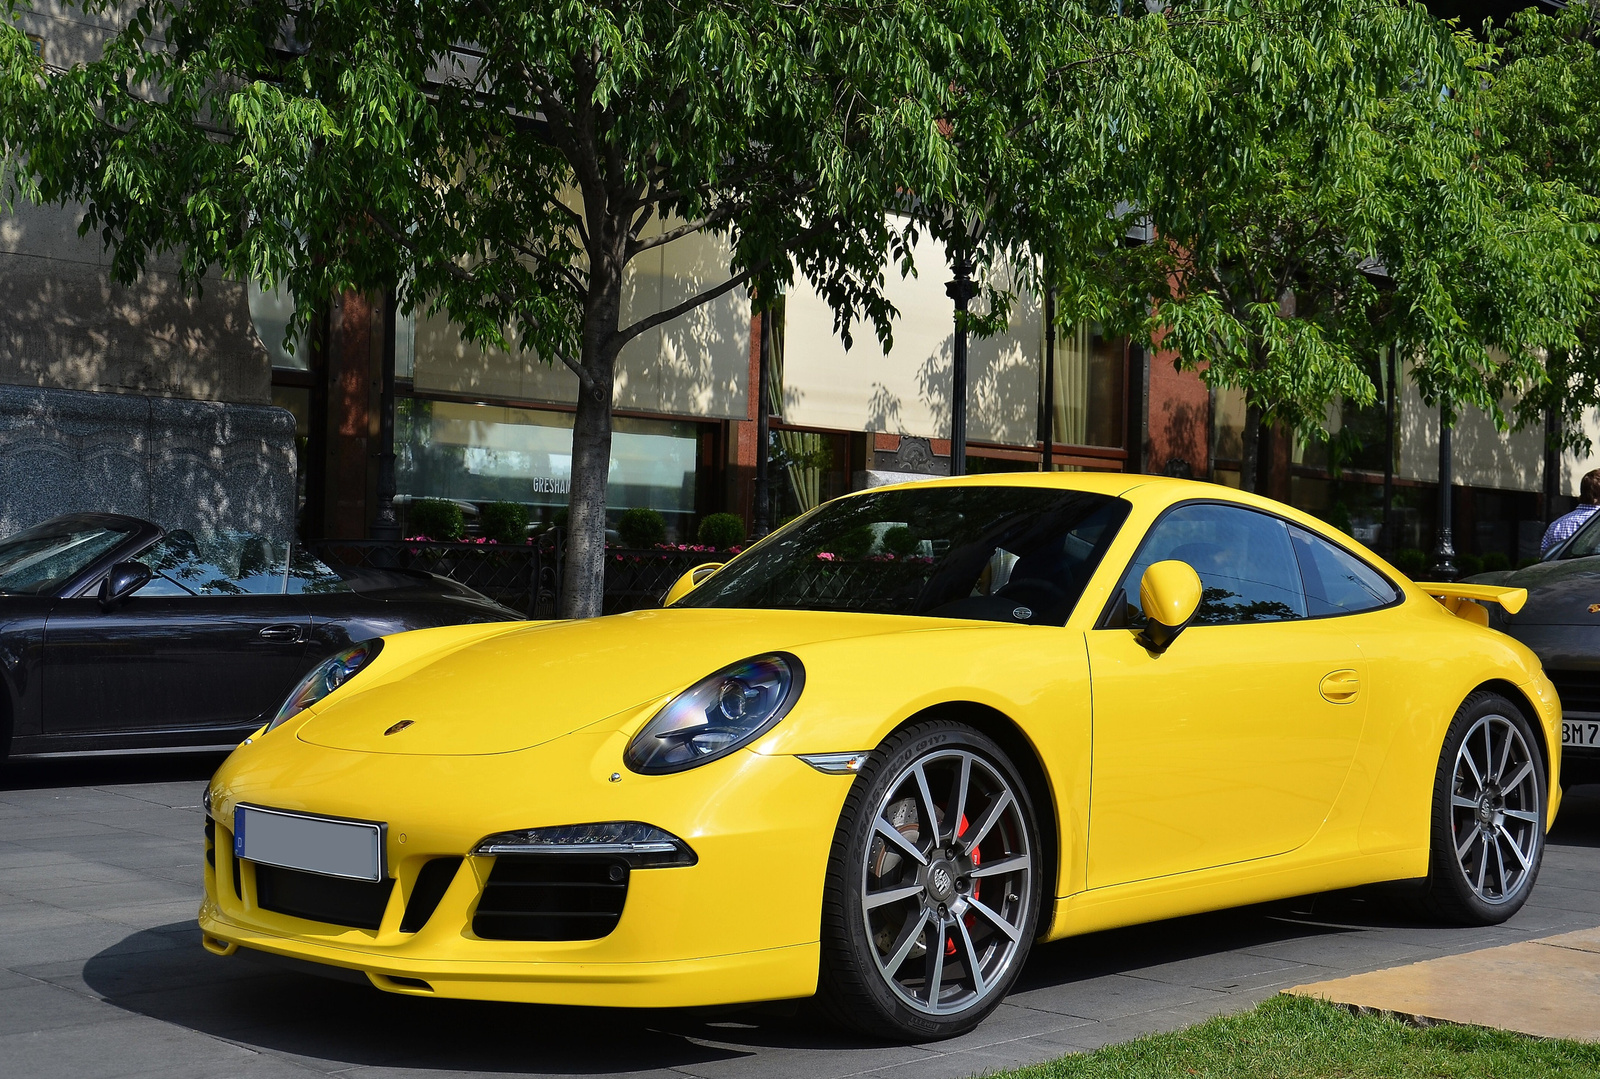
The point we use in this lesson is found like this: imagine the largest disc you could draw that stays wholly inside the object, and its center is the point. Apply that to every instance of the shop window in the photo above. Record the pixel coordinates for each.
(476, 454)
(1089, 400)
(804, 470)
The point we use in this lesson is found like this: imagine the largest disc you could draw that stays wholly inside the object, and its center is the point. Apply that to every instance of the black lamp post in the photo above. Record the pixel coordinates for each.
(960, 289)
(1444, 551)
(1047, 429)
(385, 525)
(759, 525)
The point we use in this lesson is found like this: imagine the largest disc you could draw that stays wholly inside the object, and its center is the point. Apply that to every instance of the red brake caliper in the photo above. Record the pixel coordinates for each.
(977, 859)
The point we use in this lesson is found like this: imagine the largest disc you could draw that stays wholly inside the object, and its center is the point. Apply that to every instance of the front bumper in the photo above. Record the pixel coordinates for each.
(741, 925)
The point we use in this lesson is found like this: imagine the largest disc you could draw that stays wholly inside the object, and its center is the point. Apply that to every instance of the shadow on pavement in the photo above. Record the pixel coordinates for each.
(165, 974)
(108, 771)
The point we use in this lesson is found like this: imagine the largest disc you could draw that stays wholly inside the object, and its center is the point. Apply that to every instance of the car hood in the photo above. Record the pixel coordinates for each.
(1560, 593)
(530, 684)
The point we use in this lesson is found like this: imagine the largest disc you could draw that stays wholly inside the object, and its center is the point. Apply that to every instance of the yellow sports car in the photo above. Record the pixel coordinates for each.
(880, 753)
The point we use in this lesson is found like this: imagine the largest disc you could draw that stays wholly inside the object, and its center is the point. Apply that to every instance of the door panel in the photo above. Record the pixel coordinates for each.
(1230, 746)
(171, 662)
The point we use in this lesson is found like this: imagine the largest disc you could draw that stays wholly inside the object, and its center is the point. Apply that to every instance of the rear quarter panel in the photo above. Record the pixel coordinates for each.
(1425, 662)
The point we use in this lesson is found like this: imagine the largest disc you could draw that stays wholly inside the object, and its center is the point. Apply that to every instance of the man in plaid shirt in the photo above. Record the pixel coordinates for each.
(1563, 527)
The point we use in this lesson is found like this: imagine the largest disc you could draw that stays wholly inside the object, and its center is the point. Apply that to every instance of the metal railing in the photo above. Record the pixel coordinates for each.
(525, 578)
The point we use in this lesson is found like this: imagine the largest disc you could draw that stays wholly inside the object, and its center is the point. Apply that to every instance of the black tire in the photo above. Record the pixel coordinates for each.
(1484, 858)
(976, 892)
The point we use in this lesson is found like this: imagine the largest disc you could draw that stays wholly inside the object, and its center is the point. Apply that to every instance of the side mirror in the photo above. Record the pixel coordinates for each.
(124, 580)
(686, 584)
(1169, 592)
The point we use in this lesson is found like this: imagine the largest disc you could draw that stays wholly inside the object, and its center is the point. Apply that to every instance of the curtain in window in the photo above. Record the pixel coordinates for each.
(805, 454)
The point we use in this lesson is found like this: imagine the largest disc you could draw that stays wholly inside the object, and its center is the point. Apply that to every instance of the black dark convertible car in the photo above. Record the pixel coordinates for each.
(119, 636)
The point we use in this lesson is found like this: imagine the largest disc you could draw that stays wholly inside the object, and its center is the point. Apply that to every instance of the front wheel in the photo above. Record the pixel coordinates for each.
(933, 889)
(1488, 814)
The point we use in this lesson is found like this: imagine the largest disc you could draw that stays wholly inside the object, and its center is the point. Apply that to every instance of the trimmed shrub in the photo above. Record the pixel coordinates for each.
(436, 518)
(1410, 561)
(642, 527)
(1469, 564)
(901, 542)
(1496, 562)
(505, 522)
(855, 544)
(721, 530)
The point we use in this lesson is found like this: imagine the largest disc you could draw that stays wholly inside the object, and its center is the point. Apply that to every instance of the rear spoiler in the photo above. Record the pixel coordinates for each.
(1454, 597)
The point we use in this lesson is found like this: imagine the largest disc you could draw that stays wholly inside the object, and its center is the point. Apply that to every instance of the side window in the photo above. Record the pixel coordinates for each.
(220, 564)
(1245, 561)
(1337, 582)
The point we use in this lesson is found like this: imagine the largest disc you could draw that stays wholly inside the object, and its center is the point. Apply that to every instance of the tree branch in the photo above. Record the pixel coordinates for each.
(646, 324)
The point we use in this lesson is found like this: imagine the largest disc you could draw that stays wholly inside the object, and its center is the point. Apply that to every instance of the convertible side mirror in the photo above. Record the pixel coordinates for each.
(124, 580)
(686, 584)
(1169, 592)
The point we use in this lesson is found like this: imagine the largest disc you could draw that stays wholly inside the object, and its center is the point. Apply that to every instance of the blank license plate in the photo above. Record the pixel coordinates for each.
(334, 848)
(1580, 732)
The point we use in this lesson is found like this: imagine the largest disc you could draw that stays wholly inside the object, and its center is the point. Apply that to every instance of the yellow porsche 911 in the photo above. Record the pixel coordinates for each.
(879, 754)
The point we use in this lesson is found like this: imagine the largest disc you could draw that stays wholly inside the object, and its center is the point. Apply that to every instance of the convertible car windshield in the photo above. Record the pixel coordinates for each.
(1004, 554)
(37, 560)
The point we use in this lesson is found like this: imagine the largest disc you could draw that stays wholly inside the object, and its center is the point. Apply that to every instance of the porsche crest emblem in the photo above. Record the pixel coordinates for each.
(1594, 608)
(398, 727)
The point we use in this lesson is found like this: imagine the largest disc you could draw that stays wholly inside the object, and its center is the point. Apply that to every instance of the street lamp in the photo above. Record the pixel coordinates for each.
(385, 525)
(961, 289)
(1444, 551)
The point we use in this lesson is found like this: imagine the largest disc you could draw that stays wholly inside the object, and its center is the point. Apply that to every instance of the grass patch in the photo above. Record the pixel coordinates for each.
(1297, 1038)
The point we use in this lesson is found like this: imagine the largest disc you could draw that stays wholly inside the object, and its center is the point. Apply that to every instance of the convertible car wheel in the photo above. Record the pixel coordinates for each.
(933, 886)
(1488, 815)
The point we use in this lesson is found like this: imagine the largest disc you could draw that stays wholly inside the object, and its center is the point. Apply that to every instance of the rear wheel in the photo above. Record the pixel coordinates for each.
(934, 885)
(1488, 814)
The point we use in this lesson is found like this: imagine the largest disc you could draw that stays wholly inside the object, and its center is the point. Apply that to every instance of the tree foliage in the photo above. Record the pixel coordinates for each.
(1545, 101)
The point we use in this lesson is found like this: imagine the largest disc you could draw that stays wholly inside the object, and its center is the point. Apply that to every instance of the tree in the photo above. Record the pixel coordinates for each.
(1382, 210)
(1543, 104)
(500, 161)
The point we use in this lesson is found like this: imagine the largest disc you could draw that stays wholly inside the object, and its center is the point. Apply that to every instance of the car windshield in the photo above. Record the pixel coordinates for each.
(39, 560)
(228, 563)
(1004, 554)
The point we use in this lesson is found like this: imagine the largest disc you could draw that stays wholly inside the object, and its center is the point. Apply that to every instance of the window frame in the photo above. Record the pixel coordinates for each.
(1108, 612)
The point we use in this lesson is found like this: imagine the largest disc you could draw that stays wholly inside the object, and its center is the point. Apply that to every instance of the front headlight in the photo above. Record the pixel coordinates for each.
(718, 715)
(324, 678)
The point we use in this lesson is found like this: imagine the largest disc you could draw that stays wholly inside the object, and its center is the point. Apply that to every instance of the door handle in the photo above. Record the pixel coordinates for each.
(1340, 687)
(280, 633)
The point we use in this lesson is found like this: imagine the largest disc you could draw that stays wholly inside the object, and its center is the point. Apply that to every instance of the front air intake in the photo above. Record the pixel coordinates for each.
(551, 897)
(358, 904)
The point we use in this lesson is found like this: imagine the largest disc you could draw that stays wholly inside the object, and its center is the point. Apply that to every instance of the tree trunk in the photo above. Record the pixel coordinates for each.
(1250, 452)
(583, 577)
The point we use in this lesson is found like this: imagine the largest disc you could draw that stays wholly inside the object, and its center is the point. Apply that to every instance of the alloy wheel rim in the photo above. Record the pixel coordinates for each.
(947, 880)
(1494, 810)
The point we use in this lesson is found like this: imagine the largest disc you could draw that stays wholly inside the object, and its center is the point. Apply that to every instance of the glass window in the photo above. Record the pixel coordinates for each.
(1088, 404)
(218, 564)
(1245, 561)
(271, 311)
(1004, 554)
(38, 560)
(309, 574)
(1336, 581)
(490, 453)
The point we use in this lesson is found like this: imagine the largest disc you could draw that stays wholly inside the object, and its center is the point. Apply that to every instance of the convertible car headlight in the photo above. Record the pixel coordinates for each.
(324, 678)
(718, 715)
(642, 846)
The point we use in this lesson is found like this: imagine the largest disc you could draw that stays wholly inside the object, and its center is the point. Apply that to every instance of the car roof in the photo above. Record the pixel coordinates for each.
(1159, 491)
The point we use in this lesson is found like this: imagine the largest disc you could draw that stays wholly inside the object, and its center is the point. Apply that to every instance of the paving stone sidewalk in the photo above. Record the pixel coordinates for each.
(102, 973)
(1549, 988)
